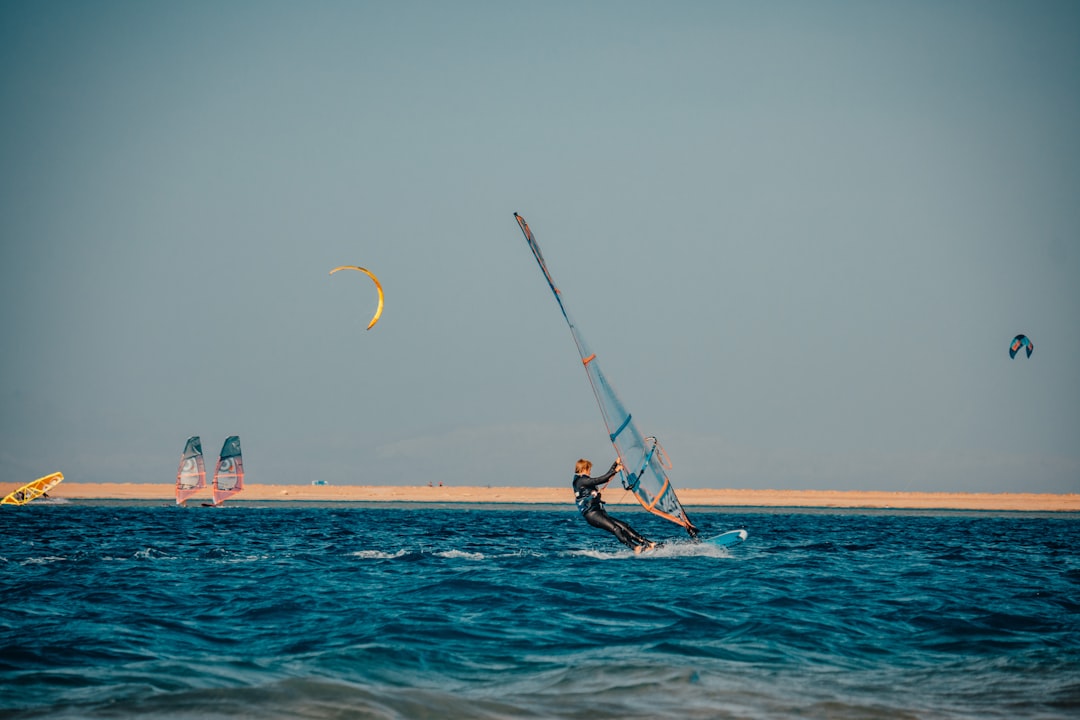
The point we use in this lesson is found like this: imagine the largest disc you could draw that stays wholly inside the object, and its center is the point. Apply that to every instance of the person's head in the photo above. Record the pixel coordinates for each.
(583, 467)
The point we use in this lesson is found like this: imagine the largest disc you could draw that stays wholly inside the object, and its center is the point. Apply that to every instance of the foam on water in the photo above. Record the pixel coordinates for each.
(670, 549)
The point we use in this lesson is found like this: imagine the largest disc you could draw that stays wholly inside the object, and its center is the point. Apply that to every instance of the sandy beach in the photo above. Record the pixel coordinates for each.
(1035, 502)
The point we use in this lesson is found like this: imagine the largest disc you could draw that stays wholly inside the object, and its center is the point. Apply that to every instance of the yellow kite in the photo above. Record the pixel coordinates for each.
(378, 286)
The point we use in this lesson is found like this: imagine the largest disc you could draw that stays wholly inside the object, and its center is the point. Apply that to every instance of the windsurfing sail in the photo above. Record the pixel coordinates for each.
(229, 474)
(191, 475)
(644, 462)
(33, 490)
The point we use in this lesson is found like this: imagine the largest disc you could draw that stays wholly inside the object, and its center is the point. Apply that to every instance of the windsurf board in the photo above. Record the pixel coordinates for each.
(724, 539)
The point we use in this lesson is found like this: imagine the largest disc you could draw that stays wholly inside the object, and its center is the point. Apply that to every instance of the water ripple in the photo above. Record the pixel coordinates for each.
(415, 612)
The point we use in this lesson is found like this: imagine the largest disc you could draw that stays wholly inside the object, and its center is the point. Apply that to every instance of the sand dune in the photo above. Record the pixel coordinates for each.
(563, 496)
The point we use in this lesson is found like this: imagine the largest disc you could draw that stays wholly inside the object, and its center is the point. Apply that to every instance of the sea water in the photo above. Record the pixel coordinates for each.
(354, 611)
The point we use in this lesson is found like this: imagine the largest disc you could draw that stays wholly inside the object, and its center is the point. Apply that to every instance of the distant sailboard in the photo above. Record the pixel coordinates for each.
(645, 464)
(191, 475)
(33, 490)
(229, 473)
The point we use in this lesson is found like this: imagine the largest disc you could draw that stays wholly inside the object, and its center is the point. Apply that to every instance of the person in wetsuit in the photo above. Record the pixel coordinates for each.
(587, 494)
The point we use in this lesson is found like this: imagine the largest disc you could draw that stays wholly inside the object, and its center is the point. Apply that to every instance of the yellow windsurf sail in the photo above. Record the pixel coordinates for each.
(34, 490)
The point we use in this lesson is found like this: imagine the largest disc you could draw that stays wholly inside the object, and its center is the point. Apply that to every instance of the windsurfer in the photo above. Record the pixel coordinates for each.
(587, 494)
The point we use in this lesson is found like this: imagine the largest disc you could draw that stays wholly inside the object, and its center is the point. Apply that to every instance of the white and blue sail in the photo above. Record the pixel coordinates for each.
(644, 462)
(191, 474)
(229, 473)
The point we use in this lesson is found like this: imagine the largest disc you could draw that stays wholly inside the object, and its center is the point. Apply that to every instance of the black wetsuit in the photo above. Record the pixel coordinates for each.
(587, 494)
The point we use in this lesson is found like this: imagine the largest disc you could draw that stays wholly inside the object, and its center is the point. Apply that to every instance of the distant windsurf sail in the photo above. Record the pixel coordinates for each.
(33, 490)
(644, 462)
(191, 475)
(229, 474)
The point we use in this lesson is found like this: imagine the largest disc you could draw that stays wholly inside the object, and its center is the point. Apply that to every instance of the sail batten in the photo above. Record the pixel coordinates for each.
(643, 472)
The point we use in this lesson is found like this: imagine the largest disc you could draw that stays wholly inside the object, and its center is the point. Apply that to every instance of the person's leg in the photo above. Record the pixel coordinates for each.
(626, 535)
(635, 537)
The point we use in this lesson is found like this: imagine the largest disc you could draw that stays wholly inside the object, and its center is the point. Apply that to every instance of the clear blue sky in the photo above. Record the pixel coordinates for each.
(800, 235)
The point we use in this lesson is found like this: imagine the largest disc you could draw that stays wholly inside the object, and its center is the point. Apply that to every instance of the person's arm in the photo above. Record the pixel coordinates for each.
(608, 475)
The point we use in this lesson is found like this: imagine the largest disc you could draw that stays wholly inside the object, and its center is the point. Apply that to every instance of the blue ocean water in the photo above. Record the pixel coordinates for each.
(347, 611)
